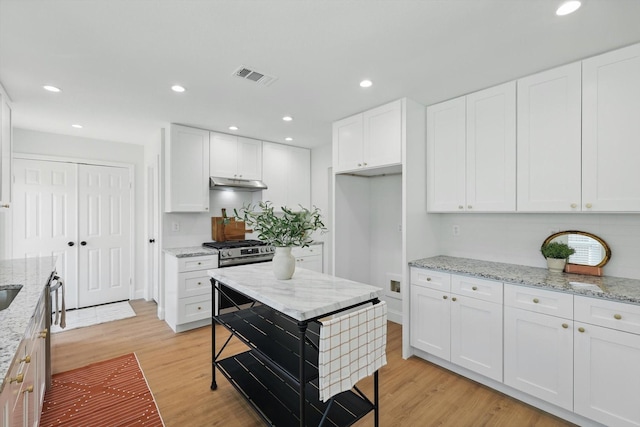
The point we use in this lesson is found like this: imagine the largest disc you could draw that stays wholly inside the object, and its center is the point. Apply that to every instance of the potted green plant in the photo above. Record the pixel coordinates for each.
(556, 254)
(283, 230)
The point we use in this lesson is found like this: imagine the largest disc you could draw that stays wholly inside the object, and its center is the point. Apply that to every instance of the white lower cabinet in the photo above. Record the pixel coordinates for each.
(309, 257)
(188, 301)
(538, 355)
(607, 372)
(23, 393)
(461, 322)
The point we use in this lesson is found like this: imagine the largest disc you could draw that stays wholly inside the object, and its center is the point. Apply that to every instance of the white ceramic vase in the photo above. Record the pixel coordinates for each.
(556, 265)
(284, 263)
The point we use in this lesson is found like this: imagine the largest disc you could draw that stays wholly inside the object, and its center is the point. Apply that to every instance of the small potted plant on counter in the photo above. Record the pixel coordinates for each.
(283, 230)
(556, 254)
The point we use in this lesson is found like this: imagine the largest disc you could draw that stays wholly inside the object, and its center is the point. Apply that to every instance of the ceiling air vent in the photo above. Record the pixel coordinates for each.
(247, 73)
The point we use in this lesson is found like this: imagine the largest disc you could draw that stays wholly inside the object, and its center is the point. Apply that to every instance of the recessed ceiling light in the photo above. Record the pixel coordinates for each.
(177, 88)
(51, 88)
(288, 138)
(77, 126)
(287, 118)
(568, 7)
(233, 127)
(366, 83)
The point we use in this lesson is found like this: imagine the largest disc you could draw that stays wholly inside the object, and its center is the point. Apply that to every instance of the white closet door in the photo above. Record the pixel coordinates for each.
(45, 217)
(104, 234)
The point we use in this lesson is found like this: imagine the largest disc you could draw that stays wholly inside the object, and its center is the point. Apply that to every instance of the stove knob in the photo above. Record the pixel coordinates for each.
(228, 253)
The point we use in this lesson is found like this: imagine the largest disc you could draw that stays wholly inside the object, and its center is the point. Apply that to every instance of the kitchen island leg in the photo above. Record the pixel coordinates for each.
(214, 385)
(302, 329)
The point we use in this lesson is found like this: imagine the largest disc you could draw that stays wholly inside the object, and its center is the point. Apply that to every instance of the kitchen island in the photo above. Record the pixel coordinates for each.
(278, 375)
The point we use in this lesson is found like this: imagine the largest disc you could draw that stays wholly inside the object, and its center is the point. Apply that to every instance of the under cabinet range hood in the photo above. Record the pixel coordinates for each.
(216, 183)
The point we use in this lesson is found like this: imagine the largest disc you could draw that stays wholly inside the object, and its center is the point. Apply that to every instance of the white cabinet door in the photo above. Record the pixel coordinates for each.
(538, 355)
(446, 156)
(611, 131)
(607, 375)
(287, 173)
(491, 149)
(223, 154)
(549, 141)
(299, 179)
(187, 170)
(382, 135)
(476, 335)
(348, 143)
(5, 151)
(249, 158)
(431, 321)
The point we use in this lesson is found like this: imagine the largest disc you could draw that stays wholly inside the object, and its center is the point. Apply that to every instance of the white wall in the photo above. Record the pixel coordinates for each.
(41, 143)
(516, 238)
(320, 197)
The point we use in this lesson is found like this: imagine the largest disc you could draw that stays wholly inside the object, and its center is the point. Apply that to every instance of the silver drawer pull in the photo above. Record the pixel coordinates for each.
(428, 279)
(617, 316)
(564, 325)
(536, 300)
(474, 288)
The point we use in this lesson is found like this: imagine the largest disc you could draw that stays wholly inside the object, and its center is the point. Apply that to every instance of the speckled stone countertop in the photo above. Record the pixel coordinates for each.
(190, 251)
(613, 288)
(32, 274)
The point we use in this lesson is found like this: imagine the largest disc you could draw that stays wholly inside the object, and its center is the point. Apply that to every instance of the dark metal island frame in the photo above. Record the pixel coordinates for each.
(278, 374)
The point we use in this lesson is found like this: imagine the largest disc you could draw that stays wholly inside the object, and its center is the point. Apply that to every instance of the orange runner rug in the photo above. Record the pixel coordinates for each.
(106, 394)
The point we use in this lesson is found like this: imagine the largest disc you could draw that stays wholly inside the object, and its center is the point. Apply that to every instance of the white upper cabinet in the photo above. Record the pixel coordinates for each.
(611, 131)
(187, 170)
(286, 171)
(446, 155)
(471, 149)
(235, 157)
(5, 151)
(549, 141)
(368, 140)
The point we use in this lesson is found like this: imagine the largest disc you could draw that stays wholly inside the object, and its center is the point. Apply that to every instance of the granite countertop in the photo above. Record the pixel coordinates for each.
(190, 251)
(307, 295)
(610, 288)
(32, 274)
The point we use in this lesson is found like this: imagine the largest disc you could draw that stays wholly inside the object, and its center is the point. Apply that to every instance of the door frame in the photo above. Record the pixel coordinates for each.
(132, 211)
(153, 229)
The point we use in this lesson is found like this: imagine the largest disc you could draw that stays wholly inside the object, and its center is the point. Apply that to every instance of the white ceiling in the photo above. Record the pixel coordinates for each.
(115, 60)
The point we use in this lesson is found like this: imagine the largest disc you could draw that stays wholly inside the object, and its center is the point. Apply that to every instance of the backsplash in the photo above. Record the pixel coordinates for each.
(516, 238)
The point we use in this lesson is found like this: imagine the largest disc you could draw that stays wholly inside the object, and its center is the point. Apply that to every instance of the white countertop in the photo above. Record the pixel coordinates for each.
(307, 295)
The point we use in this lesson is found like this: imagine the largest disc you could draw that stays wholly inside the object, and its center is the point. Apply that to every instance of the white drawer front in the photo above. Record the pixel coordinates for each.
(297, 251)
(194, 308)
(431, 279)
(539, 300)
(197, 263)
(482, 289)
(193, 283)
(610, 314)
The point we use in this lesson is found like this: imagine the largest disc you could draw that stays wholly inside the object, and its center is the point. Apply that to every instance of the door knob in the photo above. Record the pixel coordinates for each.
(83, 243)
(70, 243)
(152, 240)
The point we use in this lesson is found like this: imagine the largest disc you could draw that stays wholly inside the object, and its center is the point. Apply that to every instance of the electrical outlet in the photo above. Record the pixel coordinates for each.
(175, 226)
(456, 230)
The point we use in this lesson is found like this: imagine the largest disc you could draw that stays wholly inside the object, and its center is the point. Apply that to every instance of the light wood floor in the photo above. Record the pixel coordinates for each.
(178, 369)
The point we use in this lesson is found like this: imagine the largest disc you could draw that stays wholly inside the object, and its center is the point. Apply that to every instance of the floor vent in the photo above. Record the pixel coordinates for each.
(247, 73)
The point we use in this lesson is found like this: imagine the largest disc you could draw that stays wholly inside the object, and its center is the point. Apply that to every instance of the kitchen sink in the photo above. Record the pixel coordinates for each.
(7, 294)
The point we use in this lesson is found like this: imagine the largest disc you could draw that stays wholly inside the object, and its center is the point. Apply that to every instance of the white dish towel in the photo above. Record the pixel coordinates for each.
(352, 347)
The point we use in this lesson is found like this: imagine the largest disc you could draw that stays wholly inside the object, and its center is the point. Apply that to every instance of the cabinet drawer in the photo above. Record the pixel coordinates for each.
(539, 300)
(431, 279)
(483, 289)
(610, 314)
(197, 263)
(195, 308)
(193, 283)
(312, 250)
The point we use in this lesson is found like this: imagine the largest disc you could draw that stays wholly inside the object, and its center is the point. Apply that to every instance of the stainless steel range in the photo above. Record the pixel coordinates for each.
(238, 252)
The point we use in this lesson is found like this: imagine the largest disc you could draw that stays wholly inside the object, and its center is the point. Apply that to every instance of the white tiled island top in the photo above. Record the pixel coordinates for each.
(308, 295)
(611, 288)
